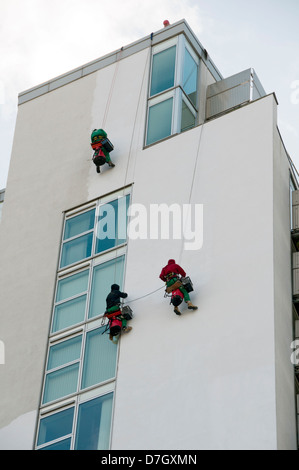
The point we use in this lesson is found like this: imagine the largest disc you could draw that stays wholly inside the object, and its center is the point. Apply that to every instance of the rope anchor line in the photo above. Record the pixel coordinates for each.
(146, 295)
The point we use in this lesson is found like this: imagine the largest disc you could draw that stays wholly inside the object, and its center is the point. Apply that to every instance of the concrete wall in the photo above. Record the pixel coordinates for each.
(205, 380)
(51, 171)
(47, 173)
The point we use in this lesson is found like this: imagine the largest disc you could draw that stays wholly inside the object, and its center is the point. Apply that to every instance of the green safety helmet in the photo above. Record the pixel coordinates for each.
(97, 134)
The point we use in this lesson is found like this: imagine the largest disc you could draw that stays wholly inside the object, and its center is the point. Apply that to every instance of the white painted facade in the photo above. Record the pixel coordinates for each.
(217, 378)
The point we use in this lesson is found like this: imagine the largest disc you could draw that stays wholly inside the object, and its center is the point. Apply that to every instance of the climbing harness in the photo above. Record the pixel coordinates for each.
(114, 324)
(173, 291)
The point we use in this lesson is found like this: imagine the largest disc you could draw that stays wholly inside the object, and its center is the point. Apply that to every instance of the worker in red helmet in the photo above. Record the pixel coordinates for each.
(170, 274)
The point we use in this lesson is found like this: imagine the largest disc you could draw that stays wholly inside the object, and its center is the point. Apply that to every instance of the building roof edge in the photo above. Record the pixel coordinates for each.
(180, 27)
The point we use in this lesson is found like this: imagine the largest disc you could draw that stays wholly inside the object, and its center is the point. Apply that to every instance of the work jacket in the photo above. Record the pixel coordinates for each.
(114, 298)
(171, 267)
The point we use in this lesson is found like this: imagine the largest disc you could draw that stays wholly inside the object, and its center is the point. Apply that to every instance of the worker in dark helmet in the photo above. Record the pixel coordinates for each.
(171, 274)
(113, 306)
(102, 148)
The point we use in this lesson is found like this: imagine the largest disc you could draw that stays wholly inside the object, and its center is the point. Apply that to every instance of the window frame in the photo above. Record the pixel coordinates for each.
(102, 258)
(83, 332)
(80, 399)
(78, 361)
(70, 215)
(176, 91)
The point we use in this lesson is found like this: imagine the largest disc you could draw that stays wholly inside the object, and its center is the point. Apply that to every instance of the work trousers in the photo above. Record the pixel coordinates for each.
(182, 289)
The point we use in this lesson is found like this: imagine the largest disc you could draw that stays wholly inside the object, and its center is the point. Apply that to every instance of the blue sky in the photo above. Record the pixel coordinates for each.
(40, 39)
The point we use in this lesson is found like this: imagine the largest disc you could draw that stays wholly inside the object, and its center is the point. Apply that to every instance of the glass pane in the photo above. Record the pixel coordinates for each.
(99, 358)
(64, 352)
(188, 119)
(61, 445)
(72, 285)
(55, 426)
(61, 383)
(79, 224)
(69, 313)
(159, 121)
(112, 224)
(107, 225)
(190, 77)
(122, 219)
(163, 70)
(76, 249)
(104, 275)
(94, 421)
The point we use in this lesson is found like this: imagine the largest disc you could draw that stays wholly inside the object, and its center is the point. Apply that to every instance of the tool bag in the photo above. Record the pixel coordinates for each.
(187, 283)
(115, 326)
(127, 312)
(176, 297)
(107, 145)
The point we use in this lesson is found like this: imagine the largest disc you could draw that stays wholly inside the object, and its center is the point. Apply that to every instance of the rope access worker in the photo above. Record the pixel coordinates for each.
(113, 306)
(101, 146)
(170, 274)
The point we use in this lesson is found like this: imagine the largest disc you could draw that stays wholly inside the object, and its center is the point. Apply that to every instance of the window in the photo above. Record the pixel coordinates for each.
(94, 415)
(55, 427)
(83, 295)
(103, 276)
(70, 370)
(173, 94)
(71, 299)
(99, 359)
(188, 116)
(84, 426)
(62, 369)
(94, 231)
(190, 77)
(78, 236)
(163, 70)
(159, 120)
(80, 372)
(112, 224)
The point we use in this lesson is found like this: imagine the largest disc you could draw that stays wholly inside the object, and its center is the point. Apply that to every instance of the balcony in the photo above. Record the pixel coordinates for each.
(233, 92)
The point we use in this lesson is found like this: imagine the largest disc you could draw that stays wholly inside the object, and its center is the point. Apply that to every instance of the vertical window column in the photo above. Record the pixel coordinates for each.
(173, 90)
(80, 372)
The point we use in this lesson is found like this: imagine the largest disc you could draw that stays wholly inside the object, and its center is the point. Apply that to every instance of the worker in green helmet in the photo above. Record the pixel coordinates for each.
(102, 148)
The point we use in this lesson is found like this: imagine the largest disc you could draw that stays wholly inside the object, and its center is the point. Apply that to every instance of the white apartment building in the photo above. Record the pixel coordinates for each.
(185, 139)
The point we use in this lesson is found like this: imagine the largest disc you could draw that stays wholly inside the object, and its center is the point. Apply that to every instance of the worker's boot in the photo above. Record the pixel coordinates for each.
(191, 306)
(98, 169)
(127, 329)
(111, 164)
(177, 311)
